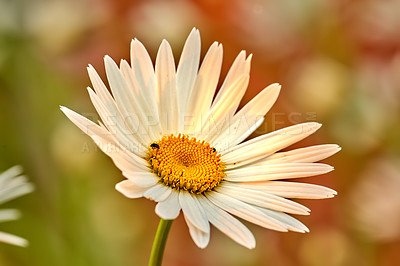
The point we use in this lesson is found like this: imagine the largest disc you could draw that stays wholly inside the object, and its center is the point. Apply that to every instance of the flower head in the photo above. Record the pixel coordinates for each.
(182, 147)
(12, 185)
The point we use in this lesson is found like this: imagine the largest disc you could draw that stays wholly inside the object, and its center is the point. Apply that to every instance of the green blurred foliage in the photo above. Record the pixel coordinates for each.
(338, 64)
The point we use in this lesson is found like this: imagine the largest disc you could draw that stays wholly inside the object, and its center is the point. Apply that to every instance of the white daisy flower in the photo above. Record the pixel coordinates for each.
(182, 147)
(12, 185)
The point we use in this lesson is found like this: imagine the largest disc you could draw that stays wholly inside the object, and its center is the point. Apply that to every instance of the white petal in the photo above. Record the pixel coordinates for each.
(229, 225)
(240, 67)
(166, 88)
(277, 171)
(10, 173)
(128, 137)
(169, 209)
(140, 104)
(262, 146)
(245, 211)
(130, 190)
(113, 122)
(141, 179)
(262, 199)
(124, 159)
(108, 110)
(241, 125)
(12, 185)
(127, 103)
(143, 71)
(292, 223)
(9, 215)
(158, 192)
(188, 67)
(303, 155)
(110, 145)
(120, 89)
(236, 132)
(15, 188)
(101, 90)
(199, 237)
(292, 189)
(224, 110)
(84, 124)
(12, 239)
(200, 99)
(193, 211)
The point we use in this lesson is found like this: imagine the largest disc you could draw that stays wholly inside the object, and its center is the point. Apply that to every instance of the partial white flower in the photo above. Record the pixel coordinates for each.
(12, 185)
(181, 146)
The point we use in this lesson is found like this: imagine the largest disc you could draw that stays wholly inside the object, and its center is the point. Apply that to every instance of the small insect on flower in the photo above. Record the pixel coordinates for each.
(206, 170)
(154, 145)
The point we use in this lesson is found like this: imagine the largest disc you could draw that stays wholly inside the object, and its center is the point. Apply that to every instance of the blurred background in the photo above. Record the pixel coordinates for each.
(338, 62)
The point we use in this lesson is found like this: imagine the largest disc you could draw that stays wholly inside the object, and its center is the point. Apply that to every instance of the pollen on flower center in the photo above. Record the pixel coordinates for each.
(184, 163)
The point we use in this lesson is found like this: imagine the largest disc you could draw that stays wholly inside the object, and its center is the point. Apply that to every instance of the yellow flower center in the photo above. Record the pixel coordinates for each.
(185, 163)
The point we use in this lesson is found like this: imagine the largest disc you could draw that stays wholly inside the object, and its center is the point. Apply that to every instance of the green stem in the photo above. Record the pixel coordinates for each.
(159, 242)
